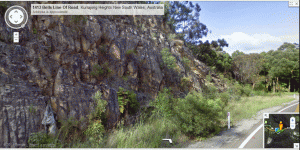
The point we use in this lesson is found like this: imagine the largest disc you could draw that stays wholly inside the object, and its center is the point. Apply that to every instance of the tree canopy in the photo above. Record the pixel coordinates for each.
(266, 67)
(184, 18)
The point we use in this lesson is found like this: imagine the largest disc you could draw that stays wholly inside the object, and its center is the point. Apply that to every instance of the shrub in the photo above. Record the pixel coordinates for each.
(125, 78)
(102, 49)
(70, 130)
(186, 63)
(197, 115)
(40, 139)
(95, 130)
(122, 99)
(34, 31)
(259, 87)
(32, 109)
(210, 91)
(260, 93)
(134, 105)
(97, 70)
(247, 90)
(235, 91)
(168, 59)
(163, 103)
(100, 108)
(208, 78)
(186, 82)
(225, 97)
(127, 98)
(101, 71)
(130, 52)
(171, 36)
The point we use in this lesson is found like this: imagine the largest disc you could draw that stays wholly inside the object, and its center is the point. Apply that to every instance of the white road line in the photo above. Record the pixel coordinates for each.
(253, 133)
(250, 136)
(288, 107)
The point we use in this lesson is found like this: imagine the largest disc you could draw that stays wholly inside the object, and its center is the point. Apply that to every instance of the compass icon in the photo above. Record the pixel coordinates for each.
(16, 17)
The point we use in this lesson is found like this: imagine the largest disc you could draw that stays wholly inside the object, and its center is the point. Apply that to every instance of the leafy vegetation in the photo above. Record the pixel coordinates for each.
(186, 83)
(164, 103)
(186, 63)
(130, 52)
(32, 109)
(127, 101)
(100, 108)
(275, 71)
(101, 71)
(125, 78)
(168, 59)
(41, 140)
(34, 31)
(96, 130)
(3, 7)
(102, 49)
(197, 115)
(183, 18)
(171, 36)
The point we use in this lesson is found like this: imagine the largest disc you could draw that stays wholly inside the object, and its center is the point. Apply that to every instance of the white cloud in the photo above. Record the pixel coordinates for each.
(252, 43)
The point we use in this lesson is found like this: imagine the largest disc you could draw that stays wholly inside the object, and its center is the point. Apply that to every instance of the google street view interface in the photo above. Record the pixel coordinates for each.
(149, 74)
(280, 130)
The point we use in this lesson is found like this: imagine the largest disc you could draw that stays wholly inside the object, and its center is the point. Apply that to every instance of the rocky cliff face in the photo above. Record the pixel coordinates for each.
(57, 58)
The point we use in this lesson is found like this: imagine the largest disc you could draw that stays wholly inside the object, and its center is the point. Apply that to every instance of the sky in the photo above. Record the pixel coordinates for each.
(250, 27)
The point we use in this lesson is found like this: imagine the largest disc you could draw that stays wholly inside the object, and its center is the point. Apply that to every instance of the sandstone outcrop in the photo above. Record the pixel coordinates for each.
(55, 66)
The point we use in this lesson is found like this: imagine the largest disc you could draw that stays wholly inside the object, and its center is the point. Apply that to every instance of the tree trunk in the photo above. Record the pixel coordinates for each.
(289, 85)
(277, 85)
(274, 87)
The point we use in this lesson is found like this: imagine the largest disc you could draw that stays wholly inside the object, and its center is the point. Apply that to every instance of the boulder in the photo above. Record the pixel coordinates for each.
(49, 121)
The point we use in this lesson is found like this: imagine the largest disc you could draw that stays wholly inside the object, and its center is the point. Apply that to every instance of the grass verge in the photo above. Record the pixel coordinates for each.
(249, 106)
(147, 135)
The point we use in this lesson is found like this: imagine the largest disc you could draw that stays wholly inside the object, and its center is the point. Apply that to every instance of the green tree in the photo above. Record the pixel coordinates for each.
(279, 68)
(183, 18)
(248, 67)
(237, 53)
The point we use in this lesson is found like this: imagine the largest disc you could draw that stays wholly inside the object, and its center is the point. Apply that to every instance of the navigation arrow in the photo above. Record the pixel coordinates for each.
(170, 140)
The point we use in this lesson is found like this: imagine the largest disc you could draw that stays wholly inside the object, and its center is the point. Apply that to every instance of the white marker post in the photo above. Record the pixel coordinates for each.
(228, 115)
(294, 95)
